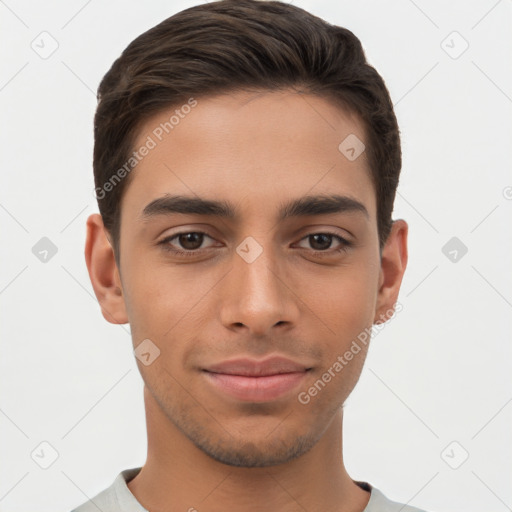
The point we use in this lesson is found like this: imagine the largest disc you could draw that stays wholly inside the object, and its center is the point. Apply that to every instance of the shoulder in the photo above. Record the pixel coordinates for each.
(379, 502)
(104, 501)
(115, 498)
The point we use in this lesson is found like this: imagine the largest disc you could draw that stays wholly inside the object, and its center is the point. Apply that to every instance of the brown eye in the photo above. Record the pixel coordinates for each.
(187, 243)
(321, 242)
(190, 241)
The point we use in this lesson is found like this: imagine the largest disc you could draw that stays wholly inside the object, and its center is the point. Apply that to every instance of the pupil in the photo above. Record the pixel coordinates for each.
(191, 241)
(326, 238)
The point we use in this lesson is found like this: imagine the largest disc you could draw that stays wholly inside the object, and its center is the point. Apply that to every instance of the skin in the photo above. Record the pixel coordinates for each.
(206, 450)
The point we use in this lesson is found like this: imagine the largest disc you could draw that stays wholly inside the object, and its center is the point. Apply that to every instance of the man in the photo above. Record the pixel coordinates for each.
(246, 161)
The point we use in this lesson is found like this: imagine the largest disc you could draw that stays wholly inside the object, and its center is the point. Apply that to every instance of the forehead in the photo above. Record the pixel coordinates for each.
(251, 148)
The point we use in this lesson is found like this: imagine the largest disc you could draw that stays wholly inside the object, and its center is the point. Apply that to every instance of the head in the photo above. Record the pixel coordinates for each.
(262, 132)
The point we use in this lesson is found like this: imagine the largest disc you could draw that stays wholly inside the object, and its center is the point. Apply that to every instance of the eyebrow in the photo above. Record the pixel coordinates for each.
(303, 206)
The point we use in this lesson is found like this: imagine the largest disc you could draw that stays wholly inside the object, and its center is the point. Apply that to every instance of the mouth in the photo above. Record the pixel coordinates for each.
(255, 388)
(256, 381)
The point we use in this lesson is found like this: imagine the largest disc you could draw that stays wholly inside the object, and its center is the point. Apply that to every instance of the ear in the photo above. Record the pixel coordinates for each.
(393, 264)
(103, 271)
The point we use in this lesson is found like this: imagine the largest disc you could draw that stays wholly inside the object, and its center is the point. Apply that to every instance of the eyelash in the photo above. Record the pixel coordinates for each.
(345, 244)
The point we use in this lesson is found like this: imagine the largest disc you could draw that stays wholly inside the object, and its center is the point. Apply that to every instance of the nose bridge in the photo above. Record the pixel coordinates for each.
(257, 296)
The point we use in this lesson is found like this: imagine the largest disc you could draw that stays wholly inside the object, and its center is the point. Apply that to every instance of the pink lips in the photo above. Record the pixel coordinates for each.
(256, 381)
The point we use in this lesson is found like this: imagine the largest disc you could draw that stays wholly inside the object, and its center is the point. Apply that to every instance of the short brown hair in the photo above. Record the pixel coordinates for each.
(231, 45)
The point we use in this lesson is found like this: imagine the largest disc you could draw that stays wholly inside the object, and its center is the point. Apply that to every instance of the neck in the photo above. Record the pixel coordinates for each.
(179, 476)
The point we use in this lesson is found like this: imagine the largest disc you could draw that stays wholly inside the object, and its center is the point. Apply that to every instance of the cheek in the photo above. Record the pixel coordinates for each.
(346, 304)
(346, 301)
(151, 301)
(163, 303)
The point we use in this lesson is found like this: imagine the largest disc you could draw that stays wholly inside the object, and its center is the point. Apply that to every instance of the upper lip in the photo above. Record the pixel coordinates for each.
(254, 368)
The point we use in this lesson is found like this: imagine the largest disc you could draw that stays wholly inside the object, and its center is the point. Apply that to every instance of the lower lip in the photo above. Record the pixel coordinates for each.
(255, 389)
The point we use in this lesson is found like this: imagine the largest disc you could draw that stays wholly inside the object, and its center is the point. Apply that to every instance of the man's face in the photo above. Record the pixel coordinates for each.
(255, 285)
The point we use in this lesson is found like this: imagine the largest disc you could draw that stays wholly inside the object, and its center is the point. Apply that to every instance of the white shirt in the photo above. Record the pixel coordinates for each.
(118, 498)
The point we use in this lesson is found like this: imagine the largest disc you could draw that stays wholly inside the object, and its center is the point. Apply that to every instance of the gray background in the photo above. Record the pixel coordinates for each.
(436, 385)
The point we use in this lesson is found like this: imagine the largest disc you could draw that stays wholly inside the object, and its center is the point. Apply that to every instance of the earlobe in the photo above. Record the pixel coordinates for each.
(393, 265)
(103, 272)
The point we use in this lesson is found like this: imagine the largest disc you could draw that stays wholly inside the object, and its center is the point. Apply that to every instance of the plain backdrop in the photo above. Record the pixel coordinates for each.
(429, 422)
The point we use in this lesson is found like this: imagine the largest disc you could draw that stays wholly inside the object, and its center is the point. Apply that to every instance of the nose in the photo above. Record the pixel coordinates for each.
(258, 295)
